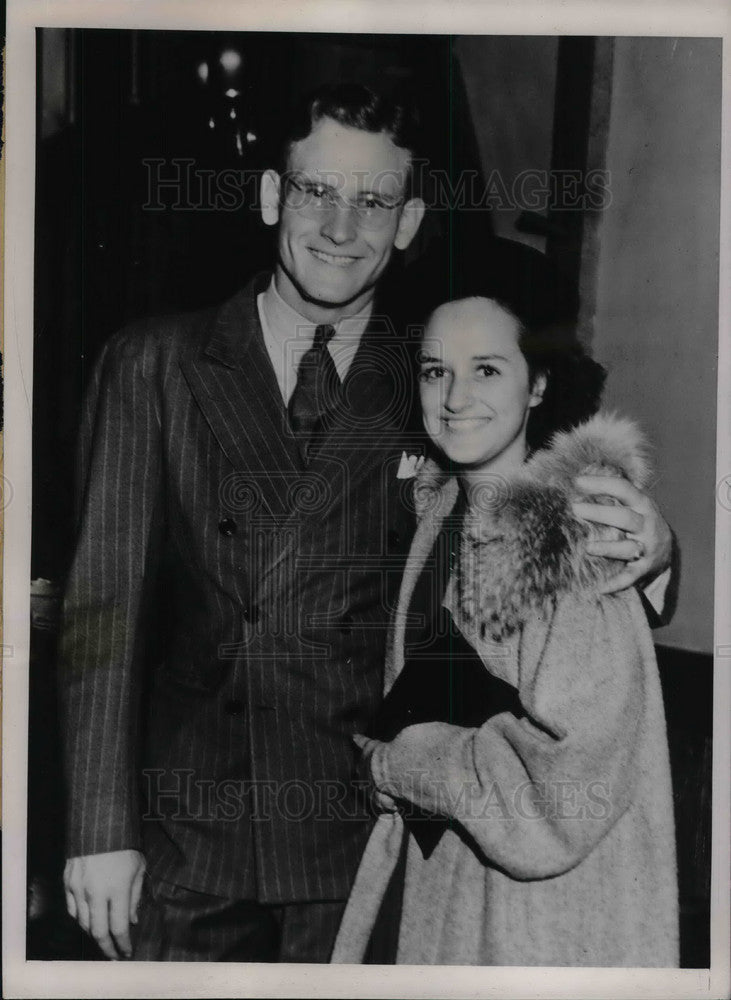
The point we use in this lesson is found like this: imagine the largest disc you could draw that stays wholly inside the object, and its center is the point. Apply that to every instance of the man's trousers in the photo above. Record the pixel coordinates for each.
(182, 925)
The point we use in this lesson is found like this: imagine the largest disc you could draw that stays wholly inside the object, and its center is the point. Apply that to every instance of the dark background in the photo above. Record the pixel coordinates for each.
(111, 100)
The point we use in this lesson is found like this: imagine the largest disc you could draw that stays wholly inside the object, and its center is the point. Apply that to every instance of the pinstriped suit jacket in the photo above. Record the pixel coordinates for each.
(225, 615)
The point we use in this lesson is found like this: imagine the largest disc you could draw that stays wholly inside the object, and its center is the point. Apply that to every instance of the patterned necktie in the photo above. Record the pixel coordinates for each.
(317, 390)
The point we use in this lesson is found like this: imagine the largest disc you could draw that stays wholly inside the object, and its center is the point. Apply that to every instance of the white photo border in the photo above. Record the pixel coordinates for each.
(91, 979)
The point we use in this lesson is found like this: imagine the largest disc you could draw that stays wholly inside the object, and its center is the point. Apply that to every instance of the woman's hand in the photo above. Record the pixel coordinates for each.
(647, 546)
(383, 802)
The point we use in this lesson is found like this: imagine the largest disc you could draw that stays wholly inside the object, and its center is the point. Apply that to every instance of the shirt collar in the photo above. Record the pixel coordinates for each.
(284, 322)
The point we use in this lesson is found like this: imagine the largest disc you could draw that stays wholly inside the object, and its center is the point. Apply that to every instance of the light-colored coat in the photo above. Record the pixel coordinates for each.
(562, 848)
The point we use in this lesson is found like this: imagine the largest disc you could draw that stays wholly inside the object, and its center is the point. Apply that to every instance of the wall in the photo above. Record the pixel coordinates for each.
(54, 79)
(510, 83)
(656, 324)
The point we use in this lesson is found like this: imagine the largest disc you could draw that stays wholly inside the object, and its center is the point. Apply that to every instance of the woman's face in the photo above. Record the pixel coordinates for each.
(474, 385)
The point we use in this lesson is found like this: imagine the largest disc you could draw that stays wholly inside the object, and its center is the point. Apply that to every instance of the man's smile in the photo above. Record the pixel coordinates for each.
(339, 260)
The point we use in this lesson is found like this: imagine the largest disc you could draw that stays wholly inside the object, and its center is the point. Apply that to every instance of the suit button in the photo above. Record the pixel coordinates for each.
(227, 526)
(251, 615)
(234, 707)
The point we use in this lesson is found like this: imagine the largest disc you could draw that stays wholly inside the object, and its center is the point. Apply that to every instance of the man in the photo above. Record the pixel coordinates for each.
(241, 503)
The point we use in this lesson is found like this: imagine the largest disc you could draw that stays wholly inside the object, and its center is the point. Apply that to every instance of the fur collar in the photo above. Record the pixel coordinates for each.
(521, 544)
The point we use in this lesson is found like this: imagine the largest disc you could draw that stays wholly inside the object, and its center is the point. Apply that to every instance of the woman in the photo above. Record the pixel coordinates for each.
(521, 757)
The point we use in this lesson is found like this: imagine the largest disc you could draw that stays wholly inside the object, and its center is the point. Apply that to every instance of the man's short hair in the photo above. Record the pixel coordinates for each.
(356, 106)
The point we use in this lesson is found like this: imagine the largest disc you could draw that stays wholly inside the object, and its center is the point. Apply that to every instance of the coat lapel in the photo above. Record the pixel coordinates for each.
(235, 386)
(367, 424)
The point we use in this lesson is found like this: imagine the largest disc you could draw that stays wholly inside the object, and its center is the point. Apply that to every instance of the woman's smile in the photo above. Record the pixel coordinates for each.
(462, 425)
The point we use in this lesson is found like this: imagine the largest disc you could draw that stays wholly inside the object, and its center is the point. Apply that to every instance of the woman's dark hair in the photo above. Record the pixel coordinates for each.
(574, 381)
(356, 106)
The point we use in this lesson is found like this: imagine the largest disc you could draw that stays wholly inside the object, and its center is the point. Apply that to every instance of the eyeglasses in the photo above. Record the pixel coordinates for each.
(315, 200)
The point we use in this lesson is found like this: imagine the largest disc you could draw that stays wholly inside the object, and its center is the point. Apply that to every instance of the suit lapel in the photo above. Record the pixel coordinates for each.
(235, 386)
(366, 423)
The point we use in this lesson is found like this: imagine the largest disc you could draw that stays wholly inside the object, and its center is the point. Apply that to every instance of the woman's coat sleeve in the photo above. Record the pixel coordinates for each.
(537, 793)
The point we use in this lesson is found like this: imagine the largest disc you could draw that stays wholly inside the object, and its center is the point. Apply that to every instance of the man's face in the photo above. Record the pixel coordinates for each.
(331, 252)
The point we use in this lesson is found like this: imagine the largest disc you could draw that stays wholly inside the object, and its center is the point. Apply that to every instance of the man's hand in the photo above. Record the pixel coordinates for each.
(383, 802)
(102, 893)
(647, 545)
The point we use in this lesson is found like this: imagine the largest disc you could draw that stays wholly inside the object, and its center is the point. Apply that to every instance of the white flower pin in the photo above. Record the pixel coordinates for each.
(409, 465)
